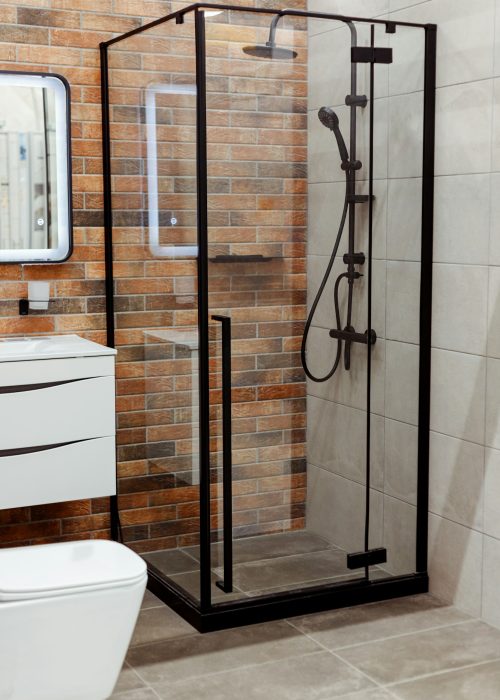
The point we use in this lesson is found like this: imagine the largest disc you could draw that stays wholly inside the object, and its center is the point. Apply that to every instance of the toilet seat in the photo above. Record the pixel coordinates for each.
(67, 568)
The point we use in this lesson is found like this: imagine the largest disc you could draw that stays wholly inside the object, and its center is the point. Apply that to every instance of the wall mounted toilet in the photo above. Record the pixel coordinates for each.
(67, 614)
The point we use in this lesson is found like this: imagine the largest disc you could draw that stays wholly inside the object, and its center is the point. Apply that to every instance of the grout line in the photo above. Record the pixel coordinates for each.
(473, 528)
(184, 551)
(355, 668)
(352, 480)
(237, 668)
(407, 634)
(468, 173)
(395, 684)
(138, 674)
(410, 261)
(133, 647)
(325, 648)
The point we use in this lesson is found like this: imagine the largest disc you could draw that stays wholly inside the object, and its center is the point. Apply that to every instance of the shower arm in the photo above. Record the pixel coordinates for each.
(271, 42)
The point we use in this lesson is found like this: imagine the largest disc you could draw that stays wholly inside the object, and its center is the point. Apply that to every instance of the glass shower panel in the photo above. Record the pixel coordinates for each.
(275, 198)
(343, 497)
(401, 109)
(152, 89)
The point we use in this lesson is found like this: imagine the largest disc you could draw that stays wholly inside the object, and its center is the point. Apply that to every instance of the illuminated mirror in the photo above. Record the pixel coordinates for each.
(35, 168)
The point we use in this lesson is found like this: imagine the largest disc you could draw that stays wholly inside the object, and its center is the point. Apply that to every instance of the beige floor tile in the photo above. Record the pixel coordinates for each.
(160, 623)
(172, 561)
(315, 677)
(290, 571)
(128, 680)
(481, 682)
(140, 694)
(150, 601)
(190, 582)
(188, 657)
(366, 623)
(409, 656)
(267, 546)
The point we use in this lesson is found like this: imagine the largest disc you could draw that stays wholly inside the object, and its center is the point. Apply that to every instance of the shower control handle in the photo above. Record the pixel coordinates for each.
(353, 337)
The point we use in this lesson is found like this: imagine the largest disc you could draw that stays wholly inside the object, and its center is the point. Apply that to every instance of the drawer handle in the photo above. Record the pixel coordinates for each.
(40, 448)
(34, 387)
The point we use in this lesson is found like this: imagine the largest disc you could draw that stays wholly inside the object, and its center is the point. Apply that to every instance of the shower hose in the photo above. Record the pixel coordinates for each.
(318, 296)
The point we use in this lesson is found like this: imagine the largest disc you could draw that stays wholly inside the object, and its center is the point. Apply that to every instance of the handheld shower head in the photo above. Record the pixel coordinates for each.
(329, 119)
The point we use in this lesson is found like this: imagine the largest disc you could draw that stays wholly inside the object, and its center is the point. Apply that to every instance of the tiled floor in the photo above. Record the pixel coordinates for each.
(264, 564)
(411, 649)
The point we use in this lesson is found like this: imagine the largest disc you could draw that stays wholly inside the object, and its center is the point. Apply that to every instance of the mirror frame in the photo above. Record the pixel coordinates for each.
(64, 165)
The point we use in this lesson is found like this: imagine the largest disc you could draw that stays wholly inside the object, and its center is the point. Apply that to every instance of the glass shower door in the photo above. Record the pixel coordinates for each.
(298, 494)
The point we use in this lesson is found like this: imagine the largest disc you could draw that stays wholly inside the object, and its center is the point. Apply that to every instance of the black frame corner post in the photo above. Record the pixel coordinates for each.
(108, 210)
(426, 296)
(115, 528)
(203, 353)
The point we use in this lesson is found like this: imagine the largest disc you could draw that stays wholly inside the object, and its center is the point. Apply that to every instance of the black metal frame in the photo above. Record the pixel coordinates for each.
(204, 615)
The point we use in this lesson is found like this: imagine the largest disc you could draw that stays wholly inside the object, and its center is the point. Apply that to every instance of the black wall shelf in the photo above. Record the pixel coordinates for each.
(240, 258)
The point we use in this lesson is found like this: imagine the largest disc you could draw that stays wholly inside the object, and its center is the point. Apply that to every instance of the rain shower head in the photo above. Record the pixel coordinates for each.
(269, 49)
(329, 119)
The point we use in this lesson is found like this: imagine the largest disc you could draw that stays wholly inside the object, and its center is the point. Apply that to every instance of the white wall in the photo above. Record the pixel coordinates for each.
(465, 416)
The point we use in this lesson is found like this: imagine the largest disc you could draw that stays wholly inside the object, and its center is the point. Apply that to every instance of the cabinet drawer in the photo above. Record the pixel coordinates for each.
(45, 414)
(38, 371)
(79, 470)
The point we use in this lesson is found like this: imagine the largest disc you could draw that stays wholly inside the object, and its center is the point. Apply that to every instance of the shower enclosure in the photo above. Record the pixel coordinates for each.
(268, 221)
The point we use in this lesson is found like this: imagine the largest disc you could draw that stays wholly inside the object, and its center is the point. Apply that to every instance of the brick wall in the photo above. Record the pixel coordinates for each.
(247, 213)
(257, 200)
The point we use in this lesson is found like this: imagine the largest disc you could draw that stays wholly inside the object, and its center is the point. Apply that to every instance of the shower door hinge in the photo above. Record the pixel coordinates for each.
(370, 54)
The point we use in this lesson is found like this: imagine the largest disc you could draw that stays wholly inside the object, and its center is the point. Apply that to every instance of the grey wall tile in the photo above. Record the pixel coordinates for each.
(461, 219)
(458, 395)
(491, 572)
(463, 128)
(491, 493)
(456, 480)
(455, 560)
(459, 313)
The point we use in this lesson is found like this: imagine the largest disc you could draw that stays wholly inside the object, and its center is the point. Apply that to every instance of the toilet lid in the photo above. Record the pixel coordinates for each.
(69, 567)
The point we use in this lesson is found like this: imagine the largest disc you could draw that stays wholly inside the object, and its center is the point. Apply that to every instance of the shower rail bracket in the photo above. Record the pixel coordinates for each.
(353, 337)
(359, 198)
(354, 258)
(369, 54)
(356, 100)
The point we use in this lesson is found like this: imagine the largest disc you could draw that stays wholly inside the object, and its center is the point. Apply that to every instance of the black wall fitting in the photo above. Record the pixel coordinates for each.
(370, 54)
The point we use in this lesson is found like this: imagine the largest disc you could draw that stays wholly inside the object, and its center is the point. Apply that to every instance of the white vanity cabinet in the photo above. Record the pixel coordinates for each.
(57, 420)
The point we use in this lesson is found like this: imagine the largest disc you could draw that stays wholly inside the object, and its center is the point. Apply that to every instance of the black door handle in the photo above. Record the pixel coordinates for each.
(226, 584)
